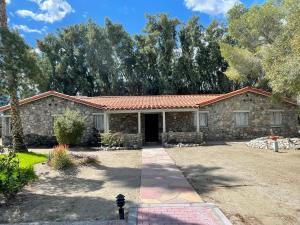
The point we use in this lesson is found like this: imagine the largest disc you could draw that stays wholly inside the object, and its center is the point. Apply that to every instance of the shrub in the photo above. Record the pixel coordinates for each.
(60, 158)
(12, 177)
(69, 127)
(112, 139)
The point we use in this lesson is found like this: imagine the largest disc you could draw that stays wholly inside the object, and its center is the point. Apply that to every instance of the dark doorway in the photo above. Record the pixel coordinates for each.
(151, 127)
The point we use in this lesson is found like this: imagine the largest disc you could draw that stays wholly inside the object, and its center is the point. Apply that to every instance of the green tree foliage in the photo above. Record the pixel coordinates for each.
(265, 47)
(168, 57)
(69, 127)
(281, 60)
(19, 73)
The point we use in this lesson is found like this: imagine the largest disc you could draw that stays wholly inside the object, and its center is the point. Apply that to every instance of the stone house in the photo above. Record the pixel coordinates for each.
(242, 114)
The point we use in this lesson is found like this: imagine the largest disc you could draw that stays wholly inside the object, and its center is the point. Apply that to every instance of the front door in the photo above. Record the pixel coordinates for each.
(151, 127)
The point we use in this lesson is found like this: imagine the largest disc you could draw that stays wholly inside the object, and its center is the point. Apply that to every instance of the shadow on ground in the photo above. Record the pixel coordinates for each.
(30, 207)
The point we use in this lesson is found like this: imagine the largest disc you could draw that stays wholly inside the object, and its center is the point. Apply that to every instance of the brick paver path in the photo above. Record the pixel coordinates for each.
(167, 198)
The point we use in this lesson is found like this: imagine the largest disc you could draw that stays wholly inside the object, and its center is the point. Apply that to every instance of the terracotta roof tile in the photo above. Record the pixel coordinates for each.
(147, 102)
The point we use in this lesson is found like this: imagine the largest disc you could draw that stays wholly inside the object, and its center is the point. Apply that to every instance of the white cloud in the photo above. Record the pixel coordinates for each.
(26, 29)
(211, 7)
(8, 2)
(50, 10)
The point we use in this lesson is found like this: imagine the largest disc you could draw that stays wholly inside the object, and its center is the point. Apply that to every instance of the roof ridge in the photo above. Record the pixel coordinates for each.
(147, 101)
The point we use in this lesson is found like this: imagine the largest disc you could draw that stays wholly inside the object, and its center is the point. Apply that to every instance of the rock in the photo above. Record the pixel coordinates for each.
(267, 143)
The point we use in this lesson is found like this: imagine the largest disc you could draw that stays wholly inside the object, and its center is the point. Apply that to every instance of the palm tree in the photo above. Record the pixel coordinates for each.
(3, 18)
(17, 129)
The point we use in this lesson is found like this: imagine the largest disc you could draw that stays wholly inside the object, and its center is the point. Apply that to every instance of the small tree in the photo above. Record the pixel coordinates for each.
(69, 127)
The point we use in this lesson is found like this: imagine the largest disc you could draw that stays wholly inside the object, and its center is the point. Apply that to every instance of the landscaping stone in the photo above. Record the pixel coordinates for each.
(267, 143)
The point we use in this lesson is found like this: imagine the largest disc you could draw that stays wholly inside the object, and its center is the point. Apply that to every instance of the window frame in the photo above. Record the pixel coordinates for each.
(248, 118)
(205, 113)
(94, 121)
(272, 122)
(8, 117)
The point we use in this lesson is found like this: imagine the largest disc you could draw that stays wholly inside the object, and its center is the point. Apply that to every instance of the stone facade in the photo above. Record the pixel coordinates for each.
(38, 118)
(182, 137)
(221, 122)
(133, 140)
(180, 122)
(124, 122)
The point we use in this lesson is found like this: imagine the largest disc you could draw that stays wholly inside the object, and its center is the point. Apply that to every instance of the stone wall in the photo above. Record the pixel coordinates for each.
(123, 122)
(182, 137)
(180, 122)
(221, 123)
(38, 118)
(133, 140)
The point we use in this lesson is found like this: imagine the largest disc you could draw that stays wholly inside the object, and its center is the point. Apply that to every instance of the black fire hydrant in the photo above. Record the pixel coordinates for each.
(120, 203)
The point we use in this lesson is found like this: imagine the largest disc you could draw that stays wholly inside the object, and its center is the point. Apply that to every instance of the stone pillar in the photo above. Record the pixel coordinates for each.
(139, 123)
(164, 121)
(197, 121)
(106, 123)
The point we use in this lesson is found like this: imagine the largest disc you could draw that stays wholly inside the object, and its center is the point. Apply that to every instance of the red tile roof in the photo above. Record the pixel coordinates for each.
(147, 102)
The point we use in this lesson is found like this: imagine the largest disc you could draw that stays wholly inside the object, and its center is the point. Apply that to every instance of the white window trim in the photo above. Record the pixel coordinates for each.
(203, 112)
(241, 111)
(104, 120)
(9, 123)
(276, 125)
(276, 110)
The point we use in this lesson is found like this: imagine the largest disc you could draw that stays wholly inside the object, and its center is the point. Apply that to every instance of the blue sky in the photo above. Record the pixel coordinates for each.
(35, 18)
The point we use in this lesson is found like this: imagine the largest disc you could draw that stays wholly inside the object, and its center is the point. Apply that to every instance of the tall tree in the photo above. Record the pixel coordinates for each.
(251, 29)
(265, 52)
(163, 30)
(281, 60)
(16, 66)
(3, 17)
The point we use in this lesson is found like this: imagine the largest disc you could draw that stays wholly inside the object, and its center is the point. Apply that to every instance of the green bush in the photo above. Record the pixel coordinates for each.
(59, 158)
(112, 139)
(12, 177)
(69, 127)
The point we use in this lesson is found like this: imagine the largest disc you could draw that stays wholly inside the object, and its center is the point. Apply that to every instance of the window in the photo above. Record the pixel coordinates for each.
(99, 122)
(203, 119)
(241, 119)
(8, 125)
(276, 118)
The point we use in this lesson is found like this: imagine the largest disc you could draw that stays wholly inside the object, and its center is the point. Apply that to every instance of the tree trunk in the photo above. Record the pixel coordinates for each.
(17, 129)
(3, 17)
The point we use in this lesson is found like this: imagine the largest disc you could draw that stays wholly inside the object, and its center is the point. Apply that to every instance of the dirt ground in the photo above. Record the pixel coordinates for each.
(250, 186)
(86, 193)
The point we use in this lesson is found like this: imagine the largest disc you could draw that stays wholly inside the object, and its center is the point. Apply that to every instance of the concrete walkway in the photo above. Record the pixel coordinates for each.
(162, 181)
(167, 198)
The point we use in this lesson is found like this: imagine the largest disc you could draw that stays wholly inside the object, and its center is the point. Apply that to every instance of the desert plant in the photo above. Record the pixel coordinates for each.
(12, 177)
(112, 139)
(69, 127)
(60, 158)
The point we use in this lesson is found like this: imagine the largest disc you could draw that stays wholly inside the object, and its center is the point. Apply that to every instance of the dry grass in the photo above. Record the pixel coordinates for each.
(85, 193)
(251, 186)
